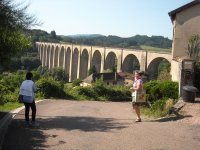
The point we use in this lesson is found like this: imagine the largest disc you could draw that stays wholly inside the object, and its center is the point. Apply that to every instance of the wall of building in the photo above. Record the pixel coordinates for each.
(185, 24)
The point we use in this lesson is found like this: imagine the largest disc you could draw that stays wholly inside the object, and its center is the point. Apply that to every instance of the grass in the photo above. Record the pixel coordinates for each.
(154, 114)
(10, 106)
(150, 48)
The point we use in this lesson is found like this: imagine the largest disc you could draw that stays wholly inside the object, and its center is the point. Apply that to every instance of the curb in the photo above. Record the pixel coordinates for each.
(5, 121)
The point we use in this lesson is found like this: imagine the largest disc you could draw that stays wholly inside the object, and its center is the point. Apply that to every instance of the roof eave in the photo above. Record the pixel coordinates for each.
(173, 13)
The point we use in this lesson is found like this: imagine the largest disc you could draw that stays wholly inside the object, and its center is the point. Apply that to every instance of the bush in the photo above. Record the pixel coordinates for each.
(82, 93)
(9, 86)
(76, 82)
(118, 93)
(48, 87)
(100, 92)
(156, 90)
(59, 74)
(159, 108)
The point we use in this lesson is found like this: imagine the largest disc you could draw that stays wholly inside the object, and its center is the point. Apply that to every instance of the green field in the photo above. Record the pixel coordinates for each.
(150, 48)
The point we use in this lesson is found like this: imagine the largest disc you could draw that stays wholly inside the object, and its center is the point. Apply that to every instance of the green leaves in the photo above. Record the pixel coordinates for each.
(194, 47)
(14, 21)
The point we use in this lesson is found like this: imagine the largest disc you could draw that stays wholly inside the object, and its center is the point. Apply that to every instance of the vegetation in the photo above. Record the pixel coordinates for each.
(194, 47)
(115, 41)
(150, 48)
(194, 53)
(164, 71)
(13, 23)
(48, 87)
(161, 94)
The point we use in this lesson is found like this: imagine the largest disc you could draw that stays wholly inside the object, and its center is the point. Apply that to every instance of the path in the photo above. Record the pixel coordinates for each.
(92, 125)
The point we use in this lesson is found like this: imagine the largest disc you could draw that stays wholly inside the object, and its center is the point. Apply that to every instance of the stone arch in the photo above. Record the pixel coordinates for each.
(56, 51)
(61, 57)
(67, 60)
(111, 61)
(130, 63)
(96, 61)
(153, 66)
(74, 64)
(84, 64)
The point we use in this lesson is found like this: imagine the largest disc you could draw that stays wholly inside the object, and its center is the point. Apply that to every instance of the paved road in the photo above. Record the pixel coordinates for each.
(90, 125)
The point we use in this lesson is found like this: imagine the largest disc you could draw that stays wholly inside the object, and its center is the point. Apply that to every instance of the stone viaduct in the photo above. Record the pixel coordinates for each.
(76, 60)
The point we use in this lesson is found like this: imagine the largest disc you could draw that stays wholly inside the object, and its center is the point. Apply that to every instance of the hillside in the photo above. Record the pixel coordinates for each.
(115, 41)
(138, 41)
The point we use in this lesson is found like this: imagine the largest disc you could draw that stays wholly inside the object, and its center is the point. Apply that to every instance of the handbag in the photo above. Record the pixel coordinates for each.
(25, 99)
(20, 98)
(139, 96)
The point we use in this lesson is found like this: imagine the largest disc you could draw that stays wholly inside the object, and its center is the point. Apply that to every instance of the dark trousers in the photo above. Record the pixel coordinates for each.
(27, 109)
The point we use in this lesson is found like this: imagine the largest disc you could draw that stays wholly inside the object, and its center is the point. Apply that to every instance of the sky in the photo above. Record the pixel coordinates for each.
(124, 18)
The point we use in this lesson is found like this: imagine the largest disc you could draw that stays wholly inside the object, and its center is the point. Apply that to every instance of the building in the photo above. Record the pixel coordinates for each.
(114, 78)
(186, 22)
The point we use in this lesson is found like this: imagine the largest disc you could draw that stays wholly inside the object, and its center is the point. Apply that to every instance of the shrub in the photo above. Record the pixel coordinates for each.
(59, 74)
(76, 82)
(164, 75)
(161, 89)
(48, 87)
(9, 86)
(118, 93)
(159, 108)
(100, 92)
(82, 93)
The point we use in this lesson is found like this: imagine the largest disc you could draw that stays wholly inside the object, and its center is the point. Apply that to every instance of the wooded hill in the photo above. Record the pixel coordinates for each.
(136, 41)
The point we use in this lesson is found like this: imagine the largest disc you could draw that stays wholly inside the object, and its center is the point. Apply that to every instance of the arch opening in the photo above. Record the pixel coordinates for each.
(156, 66)
(84, 64)
(130, 64)
(96, 61)
(111, 62)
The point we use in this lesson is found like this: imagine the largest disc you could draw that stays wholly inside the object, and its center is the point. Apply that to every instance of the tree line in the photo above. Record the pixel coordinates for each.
(101, 40)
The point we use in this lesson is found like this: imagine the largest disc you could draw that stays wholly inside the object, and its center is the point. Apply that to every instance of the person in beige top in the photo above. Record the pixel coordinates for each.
(137, 85)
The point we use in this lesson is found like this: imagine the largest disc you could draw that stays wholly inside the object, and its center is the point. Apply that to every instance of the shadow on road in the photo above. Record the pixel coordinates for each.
(172, 118)
(81, 123)
(21, 137)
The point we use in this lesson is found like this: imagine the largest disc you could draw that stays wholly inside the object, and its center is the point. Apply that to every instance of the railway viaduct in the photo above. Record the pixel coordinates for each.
(76, 60)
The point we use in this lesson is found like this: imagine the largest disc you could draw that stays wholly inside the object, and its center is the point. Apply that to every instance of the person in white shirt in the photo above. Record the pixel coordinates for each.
(28, 89)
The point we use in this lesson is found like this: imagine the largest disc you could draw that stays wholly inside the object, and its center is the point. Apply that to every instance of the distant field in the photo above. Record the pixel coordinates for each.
(150, 48)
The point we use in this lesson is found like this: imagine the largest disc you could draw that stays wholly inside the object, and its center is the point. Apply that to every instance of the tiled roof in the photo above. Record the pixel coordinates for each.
(108, 76)
(88, 79)
(173, 13)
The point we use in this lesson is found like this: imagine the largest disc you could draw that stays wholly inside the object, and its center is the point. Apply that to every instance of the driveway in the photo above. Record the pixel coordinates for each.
(93, 125)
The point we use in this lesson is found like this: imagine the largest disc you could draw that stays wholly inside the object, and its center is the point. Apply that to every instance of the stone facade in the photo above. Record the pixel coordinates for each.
(186, 22)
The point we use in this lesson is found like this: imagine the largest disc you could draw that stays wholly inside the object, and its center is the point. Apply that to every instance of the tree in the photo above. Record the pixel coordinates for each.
(53, 34)
(194, 53)
(13, 24)
(194, 47)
